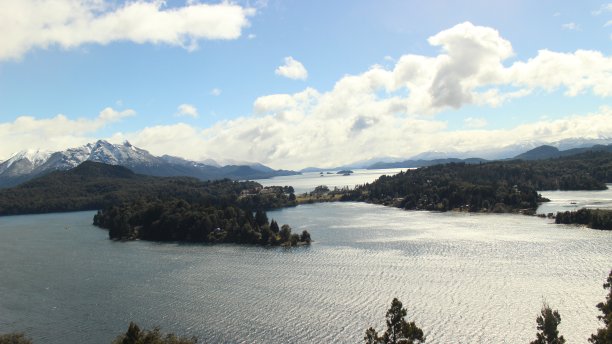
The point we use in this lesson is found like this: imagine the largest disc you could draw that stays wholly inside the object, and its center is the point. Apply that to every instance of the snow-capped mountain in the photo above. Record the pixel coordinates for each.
(29, 164)
(23, 162)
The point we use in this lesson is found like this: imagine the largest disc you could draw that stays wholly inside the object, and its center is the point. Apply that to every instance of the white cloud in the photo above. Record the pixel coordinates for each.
(390, 111)
(608, 23)
(59, 132)
(387, 111)
(215, 92)
(293, 143)
(474, 123)
(187, 110)
(292, 69)
(571, 26)
(29, 24)
(603, 8)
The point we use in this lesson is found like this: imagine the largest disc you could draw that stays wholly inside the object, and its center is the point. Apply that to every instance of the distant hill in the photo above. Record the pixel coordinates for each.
(93, 185)
(26, 165)
(497, 186)
(423, 163)
(549, 152)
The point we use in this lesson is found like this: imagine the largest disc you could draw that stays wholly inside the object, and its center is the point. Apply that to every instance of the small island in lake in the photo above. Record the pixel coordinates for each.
(178, 220)
(345, 172)
(160, 208)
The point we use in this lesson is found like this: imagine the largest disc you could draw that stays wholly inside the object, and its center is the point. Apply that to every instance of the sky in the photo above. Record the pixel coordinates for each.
(292, 83)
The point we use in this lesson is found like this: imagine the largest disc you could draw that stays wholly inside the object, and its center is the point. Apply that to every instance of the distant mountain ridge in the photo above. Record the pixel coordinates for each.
(428, 158)
(549, 152)
(26, 165)
(423, 163)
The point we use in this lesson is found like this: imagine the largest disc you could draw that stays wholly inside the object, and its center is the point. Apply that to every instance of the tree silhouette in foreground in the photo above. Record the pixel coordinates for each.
(548, 320)
(135, 335)
(399, 331)
(14, 338)
(604, 335)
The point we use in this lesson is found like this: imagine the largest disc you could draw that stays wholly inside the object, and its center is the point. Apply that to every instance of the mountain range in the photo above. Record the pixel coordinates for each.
(435, 157)
(26, 165)
(538, 153)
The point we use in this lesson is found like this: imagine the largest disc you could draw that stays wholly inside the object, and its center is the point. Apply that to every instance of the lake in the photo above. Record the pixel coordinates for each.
(307, 181)
(464, 278)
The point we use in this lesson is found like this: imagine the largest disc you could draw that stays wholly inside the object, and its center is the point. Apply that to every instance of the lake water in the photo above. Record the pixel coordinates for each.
(307, 181)
(464, 278)
(574, 200)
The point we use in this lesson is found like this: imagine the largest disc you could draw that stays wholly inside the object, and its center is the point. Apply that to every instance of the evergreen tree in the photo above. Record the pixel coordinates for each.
(274, 227)
(372, 337)
(285, 233)
(547, 322)
(135, 335)
(604, 335)
(261, 218)
(399, 331)
(132, 335)
(305, 237)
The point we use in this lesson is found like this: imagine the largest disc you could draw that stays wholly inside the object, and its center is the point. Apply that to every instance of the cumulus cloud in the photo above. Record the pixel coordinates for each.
(29, 24)
(300, 143)
(54, 133)
(215, 92)
(292, 69)
(390, 111)
(187, 110)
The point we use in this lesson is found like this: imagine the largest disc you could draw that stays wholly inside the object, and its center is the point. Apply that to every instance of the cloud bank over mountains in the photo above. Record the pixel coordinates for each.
(380, 112)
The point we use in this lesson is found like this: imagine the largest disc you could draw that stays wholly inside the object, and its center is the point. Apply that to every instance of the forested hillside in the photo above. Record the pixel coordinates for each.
(506, 186)
(92, 186)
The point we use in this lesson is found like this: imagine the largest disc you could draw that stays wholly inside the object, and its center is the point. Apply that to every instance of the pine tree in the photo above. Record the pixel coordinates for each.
(372, 337)
(604, 335)
(399, 331)
(547, 321)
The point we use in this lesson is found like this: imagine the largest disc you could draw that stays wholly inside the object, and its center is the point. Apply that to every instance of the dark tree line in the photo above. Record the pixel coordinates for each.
(93, 186)
(593, 218)
(178, 220)
(502, 186)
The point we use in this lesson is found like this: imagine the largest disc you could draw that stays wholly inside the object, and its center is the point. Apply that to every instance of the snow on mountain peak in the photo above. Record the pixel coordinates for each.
(26, 161)
(35, 156)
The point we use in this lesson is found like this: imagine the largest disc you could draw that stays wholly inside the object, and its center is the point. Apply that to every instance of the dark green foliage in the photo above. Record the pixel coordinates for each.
(398, 329)
(178, 220)
(135, 335)
(305, 237)
(14, 338)
(604, 335)
(593, 218)
(371, 337)
(319, 190)
(503, 186)
(547, 321)
(92, 186)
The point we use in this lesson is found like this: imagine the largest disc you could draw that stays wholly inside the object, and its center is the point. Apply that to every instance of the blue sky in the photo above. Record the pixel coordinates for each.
(204, 79)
